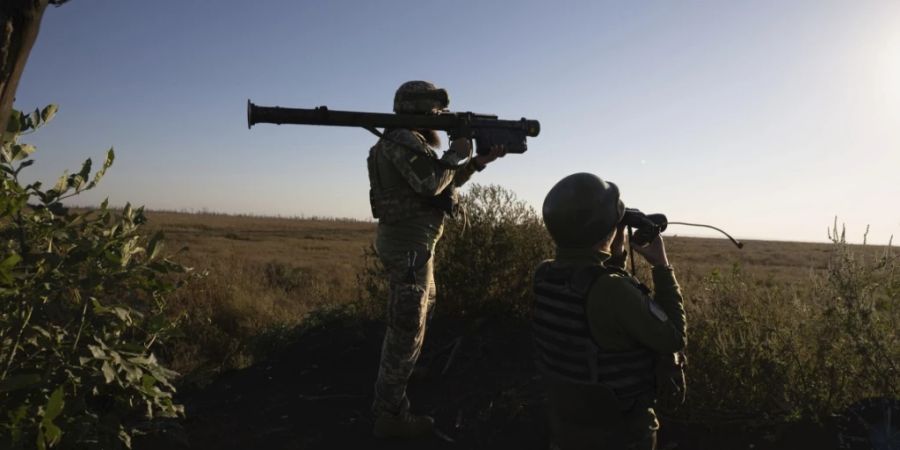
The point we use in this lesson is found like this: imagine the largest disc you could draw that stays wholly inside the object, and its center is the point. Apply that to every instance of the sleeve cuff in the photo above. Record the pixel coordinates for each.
(663, 277)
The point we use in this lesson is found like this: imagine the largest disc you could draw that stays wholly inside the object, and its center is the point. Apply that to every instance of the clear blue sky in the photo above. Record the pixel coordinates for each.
(767, 118)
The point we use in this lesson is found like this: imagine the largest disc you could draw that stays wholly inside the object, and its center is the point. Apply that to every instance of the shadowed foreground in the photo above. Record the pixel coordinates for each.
(480, 387)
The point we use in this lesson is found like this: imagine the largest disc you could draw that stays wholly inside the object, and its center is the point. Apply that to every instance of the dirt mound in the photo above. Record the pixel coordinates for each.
(479, 384)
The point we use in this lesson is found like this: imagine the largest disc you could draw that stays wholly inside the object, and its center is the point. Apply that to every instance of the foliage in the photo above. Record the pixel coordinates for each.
(485, 261)
(775, 353)
(82, 300)
(758, 352)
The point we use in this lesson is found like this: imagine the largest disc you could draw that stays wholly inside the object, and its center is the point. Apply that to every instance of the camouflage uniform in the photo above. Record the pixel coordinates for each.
(599, 339)
(407, 179)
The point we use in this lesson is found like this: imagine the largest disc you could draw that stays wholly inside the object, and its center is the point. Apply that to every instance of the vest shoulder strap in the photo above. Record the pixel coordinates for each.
(583, 279)
(579, 280)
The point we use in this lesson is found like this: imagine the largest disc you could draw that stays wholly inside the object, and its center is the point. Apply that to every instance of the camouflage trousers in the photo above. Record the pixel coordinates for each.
(410, 305)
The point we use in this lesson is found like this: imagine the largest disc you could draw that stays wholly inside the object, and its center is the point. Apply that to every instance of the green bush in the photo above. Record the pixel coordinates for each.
(484, 262)
(82, 302)
(773, 354)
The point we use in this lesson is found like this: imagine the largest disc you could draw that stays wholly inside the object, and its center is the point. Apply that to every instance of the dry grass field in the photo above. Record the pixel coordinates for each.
(334, 248)
(331, 250)
(265, 273)
(783, 334)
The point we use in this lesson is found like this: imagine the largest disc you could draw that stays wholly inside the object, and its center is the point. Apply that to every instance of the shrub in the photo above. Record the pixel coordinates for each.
(484, 262)
(770, 353)
(82, 301)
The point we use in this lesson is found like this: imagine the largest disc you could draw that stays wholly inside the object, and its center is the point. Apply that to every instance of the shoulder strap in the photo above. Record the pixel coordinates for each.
(631, 279)
(543, 269)
(583, 279)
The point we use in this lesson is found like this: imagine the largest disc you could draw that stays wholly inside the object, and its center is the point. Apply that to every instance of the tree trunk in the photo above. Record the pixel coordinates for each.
(20, 21)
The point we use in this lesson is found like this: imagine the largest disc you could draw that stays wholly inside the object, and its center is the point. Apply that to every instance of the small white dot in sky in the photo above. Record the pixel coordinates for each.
(643, 161)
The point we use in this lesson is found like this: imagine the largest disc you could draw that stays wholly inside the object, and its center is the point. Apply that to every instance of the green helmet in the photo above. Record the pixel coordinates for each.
(581, 210)
(420, 97)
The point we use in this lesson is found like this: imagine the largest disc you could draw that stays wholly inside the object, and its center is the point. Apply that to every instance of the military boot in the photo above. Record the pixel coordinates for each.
(404, 425)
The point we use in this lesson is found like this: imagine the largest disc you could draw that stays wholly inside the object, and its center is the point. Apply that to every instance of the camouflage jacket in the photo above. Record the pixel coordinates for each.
(405, 176)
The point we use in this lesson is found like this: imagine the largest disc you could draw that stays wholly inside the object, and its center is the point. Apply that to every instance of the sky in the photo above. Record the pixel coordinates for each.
(767, 118)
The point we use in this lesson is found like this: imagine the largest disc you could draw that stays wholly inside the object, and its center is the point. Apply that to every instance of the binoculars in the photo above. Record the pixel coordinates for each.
(647, 226)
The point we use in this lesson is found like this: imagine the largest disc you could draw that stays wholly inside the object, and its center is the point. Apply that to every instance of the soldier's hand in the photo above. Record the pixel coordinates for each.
(496, 151)
(461, 147)
(654, 252)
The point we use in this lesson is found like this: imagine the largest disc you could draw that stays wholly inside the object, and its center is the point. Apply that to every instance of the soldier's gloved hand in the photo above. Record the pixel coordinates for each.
(496, 151)
(654, 252)
(460, 151)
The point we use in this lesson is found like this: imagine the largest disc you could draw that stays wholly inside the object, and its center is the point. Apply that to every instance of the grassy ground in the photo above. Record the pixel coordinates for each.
(266, 274)
(782, 335)
(260, 276)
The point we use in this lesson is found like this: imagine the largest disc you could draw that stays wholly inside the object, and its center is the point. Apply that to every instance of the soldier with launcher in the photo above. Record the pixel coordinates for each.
(412, 191)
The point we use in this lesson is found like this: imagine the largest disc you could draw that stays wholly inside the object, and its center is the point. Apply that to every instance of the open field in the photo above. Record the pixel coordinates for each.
(331, 250)
(781, 335)
(265, 273)
(329, 246)
(334, 249)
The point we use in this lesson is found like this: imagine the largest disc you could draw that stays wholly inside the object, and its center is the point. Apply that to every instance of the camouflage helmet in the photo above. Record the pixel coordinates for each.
(581, 210)
(420, 97)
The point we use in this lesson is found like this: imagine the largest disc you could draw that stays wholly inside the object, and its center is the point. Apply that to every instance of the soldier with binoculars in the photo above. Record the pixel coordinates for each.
(607, 349)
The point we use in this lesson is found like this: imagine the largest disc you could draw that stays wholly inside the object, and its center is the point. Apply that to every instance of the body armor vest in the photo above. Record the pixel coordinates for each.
(565, 348)
(390, 196)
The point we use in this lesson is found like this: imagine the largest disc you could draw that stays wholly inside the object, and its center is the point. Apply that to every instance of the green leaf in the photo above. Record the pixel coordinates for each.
(25, 164)
(6, 267)
(97, 352)
(48, 433)
(15, 122)
(54, 405)
(34, 119)
(155, 245)
(84, 174)
(132, 373)
(108, 372)
(48, 112)
(125, 438)
(123, 314)
(143, 360)
(25, 122)
(110, 157)
(10, 262)
(62, 183)
(5, 154)
(42, 331)
(21, 151)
